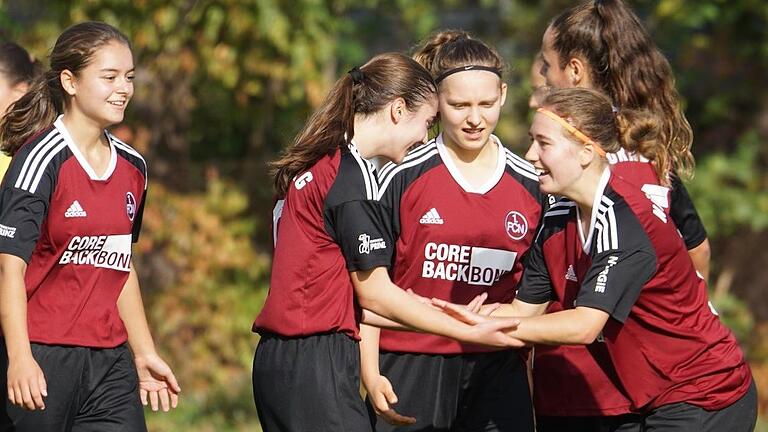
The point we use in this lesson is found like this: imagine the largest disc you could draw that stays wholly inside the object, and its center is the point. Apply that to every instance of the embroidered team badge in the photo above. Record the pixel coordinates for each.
(516, 225)
(130, 205)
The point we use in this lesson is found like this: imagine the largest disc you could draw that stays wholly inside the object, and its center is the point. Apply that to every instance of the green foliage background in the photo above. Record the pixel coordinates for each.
(223, 85)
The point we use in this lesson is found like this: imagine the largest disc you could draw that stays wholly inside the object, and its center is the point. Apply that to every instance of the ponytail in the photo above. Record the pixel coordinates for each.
(640, 132)
(323, 134)
(363, 91)
(626, 64)
(33, 112)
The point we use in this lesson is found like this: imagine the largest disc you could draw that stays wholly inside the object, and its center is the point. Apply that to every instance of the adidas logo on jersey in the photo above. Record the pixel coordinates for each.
(75, 210)
(570, 274)
(431, 218)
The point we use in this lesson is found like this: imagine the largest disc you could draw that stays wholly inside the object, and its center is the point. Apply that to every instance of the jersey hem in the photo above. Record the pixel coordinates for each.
(695, 242)
(77, 342)
(623, 410)
(18, 253)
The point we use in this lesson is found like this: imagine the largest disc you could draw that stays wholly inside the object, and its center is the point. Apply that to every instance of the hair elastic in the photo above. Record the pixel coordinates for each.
(570, 128)
(356, 74)
(449, 72)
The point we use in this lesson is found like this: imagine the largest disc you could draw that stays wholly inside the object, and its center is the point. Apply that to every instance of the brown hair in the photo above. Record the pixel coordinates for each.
(626, 64)
(16, 64)
(591, 112)
(46, 98)
(383, 79)
(450, 49)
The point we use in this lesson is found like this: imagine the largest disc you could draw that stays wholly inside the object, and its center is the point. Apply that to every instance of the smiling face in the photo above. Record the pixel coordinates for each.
(559, 160)
(410, 128)
(470, 106)
(101, 91)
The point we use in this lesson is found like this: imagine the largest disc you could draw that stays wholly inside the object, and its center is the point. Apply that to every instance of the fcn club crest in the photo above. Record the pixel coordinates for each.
(516, 225)
(130, 206)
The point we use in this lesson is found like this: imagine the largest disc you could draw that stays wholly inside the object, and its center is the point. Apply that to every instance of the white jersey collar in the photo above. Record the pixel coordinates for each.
(492, 181)
(59, 125)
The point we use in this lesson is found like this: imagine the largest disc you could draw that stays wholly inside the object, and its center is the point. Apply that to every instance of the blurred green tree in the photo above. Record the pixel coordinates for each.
(227, 83)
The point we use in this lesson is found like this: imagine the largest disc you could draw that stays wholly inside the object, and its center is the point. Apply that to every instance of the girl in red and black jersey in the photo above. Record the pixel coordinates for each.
(333, 247)
(613, 255)
(602, 45)
(464, 211)
(71, 206)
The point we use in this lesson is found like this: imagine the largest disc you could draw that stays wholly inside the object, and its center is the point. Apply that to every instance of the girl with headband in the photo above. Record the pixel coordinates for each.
(603, 46)
(614, 256)
(464, 212)
(332, 250)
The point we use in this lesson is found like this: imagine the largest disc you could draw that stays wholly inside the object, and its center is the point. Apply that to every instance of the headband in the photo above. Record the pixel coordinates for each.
(569, 127)
(449, 72)
(356, 74)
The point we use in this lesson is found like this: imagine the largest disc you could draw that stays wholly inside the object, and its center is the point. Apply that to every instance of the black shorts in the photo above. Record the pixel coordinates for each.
(469, 392)
(89, 390)
(740, 416)
(309, 384)
(618, 423)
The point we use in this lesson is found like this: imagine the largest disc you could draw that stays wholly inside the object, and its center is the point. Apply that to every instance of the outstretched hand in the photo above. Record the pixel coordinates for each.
(485, 330)
(469, 314)
(157, 384)
(477, 306)
(383, 397)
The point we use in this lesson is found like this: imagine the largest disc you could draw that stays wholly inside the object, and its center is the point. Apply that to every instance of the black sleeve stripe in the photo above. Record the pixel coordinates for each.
(37, 161)
(417, 153)
(520, 165)
(141, 165)
(369, 176)
(560, 208)
(608, 237)
(31, 180)
(384, 182)
(562, 203)
(27, 169)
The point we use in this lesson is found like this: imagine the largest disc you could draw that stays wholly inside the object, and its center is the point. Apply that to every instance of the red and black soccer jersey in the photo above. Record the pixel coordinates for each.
(455, 241)
(594, 392)
(329, 224)
(639, 170)
(663, 339)
(74, 229)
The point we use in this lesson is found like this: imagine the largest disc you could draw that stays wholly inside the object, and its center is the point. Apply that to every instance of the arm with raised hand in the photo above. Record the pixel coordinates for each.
(376, 292)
